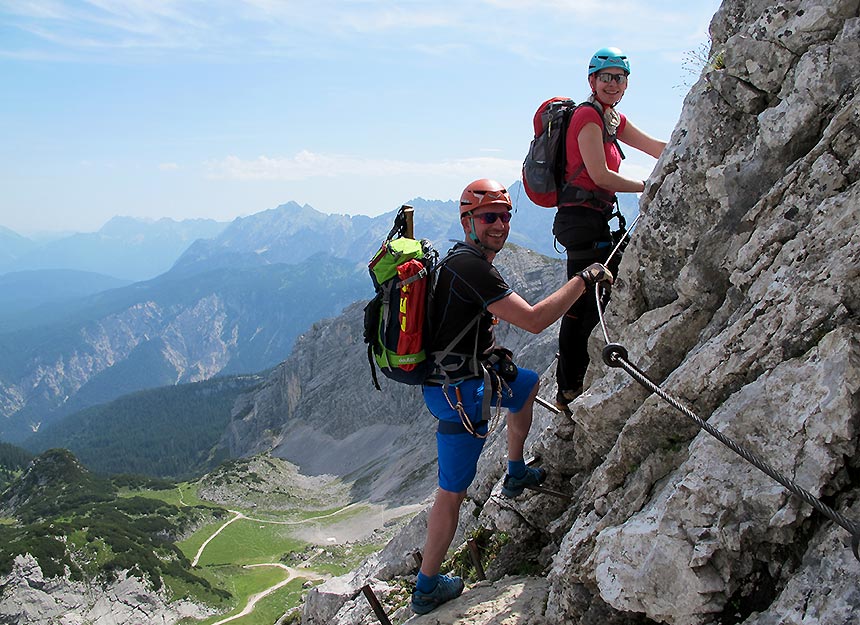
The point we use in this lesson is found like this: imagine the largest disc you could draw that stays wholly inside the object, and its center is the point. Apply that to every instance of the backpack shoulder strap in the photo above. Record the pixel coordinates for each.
(607, 138)
(438, 356)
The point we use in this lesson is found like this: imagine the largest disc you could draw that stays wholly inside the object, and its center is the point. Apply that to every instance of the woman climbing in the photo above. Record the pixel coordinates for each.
(587, 201)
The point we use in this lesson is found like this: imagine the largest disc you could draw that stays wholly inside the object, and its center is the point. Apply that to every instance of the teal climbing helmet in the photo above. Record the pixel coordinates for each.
(608, 57)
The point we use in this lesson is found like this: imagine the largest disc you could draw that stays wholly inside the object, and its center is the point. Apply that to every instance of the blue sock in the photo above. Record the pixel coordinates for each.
(425, 584)
(516, 468)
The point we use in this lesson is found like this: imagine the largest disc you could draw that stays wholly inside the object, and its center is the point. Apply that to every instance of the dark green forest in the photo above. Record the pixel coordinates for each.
(13, 460)
(168, 432)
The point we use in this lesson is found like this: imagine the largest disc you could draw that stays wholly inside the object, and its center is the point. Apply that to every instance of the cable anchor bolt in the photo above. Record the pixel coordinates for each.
(614, 354)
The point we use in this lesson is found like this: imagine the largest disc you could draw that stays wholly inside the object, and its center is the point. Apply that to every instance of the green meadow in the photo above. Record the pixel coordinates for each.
(270, 537)
(250, 542)
(243, 583)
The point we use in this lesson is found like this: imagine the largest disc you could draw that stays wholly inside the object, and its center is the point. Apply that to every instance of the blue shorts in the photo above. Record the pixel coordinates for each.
(458, 453)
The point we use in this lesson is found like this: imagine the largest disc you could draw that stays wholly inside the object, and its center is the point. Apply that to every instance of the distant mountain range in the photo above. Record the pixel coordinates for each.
(125, 248)
(23, 291)
(233, 303)
(173, 329)
(12, 246)
(291, 233)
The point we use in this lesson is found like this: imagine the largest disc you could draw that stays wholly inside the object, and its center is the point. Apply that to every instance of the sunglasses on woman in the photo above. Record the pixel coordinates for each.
(606, 77)
(490, 218)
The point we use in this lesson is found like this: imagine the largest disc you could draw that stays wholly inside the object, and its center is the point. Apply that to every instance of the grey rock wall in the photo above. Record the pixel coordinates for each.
(740, 297)
(31, 599)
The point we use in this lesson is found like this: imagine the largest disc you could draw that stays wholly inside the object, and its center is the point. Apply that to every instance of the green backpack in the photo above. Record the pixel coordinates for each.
(395, 320)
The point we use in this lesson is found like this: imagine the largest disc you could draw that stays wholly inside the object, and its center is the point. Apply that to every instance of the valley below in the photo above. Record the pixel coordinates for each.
(292, 549)
(264, 535)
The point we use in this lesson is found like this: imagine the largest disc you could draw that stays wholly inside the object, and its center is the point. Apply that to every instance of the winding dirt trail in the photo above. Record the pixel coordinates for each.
(238, 515)
(253, 599)
(293, 573)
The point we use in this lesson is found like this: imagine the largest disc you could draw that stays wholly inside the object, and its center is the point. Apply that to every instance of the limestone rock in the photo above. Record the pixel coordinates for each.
(27, 597)
(752, 323)
(510, 601)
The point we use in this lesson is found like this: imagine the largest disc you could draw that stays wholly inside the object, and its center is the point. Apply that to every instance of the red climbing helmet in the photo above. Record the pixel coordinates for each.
(483, 192)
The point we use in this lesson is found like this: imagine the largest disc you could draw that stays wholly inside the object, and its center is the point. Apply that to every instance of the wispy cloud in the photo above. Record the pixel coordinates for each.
(307, 164)
(529, 28)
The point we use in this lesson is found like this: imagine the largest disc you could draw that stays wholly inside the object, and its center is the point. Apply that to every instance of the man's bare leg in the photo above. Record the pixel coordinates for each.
(441, 527)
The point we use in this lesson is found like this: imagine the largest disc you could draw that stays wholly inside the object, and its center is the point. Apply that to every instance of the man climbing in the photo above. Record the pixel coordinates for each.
(469, 296)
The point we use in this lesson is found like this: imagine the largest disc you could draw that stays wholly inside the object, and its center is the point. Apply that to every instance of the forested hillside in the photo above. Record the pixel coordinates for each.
(13, 460)
(169, 432)
(69, 518)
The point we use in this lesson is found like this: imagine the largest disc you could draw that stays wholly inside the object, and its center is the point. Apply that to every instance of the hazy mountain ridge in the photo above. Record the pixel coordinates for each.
(125, 248)
(12, 246)
(290, 232)
(21, 292)
(162, 332)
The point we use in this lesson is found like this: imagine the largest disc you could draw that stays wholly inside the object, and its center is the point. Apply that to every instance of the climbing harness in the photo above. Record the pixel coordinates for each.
(592, 251)
(616, 356)
(624, 234)
(497, 389)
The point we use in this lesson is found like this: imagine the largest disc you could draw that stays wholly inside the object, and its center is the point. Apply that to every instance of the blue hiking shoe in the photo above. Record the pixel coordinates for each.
(513, 487)
(446, 589)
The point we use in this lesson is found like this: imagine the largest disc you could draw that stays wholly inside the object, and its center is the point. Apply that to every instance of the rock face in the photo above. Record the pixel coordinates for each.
(510, 601)
(739, 295)
(31, 599)
(741, 298)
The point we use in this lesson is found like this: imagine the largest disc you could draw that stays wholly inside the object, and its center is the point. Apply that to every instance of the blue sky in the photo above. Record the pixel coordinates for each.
(224, 108)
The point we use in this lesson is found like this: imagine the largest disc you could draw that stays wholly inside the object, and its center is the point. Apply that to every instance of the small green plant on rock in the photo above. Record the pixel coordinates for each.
(700, 59)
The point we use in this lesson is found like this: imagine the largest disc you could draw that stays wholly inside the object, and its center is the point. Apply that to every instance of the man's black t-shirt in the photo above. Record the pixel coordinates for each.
(467, 283)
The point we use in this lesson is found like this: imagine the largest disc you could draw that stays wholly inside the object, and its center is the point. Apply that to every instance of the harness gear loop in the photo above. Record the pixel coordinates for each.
(498, 388)
(615, 355)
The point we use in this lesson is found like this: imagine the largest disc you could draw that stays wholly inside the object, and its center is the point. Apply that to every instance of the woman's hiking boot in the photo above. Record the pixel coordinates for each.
(447, 588)
(513, 487)
(563, 399)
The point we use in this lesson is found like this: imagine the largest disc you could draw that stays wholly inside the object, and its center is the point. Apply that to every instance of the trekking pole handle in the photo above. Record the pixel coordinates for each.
(409, 214)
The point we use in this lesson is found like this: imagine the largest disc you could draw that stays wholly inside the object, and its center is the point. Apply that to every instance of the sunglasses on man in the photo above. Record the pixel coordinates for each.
(606, 77)
(490, 218)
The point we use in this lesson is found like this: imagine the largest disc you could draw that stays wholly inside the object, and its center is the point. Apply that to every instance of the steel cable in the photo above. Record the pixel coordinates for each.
(616, 355)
